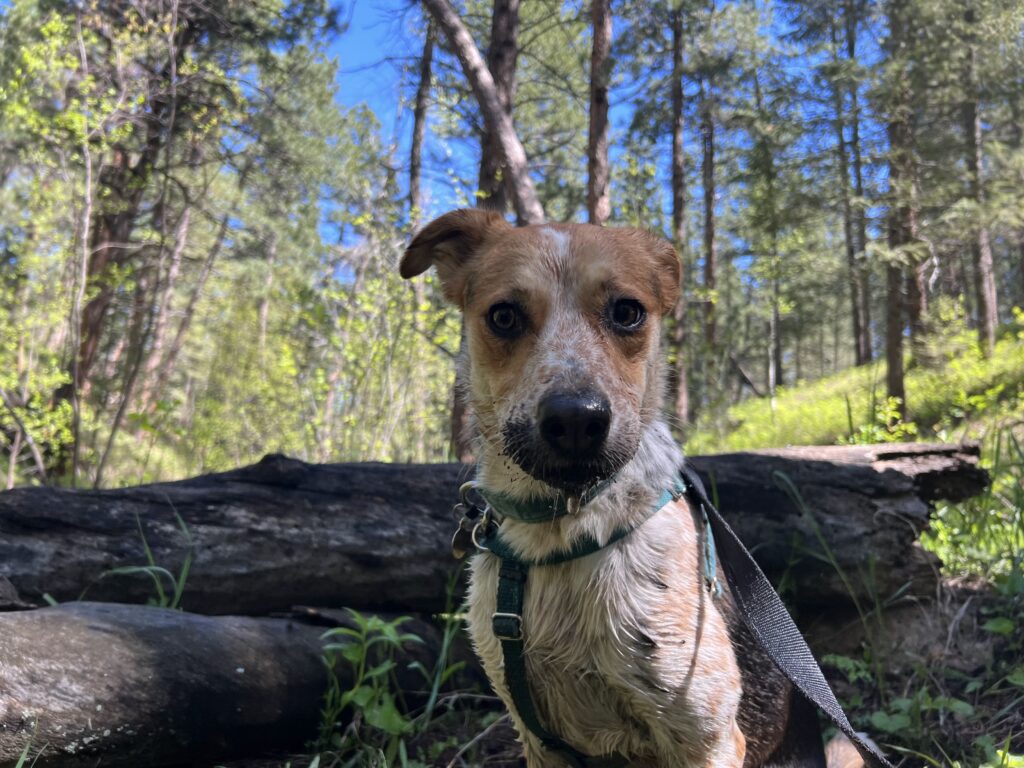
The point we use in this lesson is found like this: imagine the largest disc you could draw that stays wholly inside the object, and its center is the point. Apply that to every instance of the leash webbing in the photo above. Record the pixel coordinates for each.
(767, 618)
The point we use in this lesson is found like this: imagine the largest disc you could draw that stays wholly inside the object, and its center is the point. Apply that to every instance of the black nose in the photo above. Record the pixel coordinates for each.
(575, 424)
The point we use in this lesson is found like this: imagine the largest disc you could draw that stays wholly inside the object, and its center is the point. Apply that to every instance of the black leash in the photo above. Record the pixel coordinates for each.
(767, 618)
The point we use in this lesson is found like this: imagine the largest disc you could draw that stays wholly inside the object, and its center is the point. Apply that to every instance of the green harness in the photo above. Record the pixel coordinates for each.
(507, 621)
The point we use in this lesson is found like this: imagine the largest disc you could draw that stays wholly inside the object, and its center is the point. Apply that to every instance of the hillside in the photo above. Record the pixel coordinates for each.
(960, 394)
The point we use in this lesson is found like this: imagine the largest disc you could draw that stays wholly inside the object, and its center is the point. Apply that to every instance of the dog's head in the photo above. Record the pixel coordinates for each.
(562, 326)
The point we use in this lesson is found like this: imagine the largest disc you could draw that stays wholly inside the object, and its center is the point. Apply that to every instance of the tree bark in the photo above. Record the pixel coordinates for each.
(131, 685)
(503, 168)
(376, 536)
(681, 404)
(497, 121)
(853, 269)
(502, 58)
(894, 334)
(599, 205)
(902, 216)
(171, 357)
(861, 218)
(707, 134)
(419, 127)
(981, 246)
(150, 387)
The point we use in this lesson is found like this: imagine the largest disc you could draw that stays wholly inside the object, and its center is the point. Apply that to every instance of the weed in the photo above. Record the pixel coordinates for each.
(159, 574)
(368, 648)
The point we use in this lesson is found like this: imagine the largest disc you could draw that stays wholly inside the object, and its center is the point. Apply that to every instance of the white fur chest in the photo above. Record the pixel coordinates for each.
(625, 649)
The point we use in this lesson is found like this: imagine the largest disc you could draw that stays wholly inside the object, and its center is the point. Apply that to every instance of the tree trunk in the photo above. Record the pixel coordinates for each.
(263, 309)
(917, 299)
(902, 224)
(171, 358)
(894, 335)
(777, 376)
(502, 56)
(599, 206)
(853, 269)
(707, 133)
(376, 536)
(150, 386)
(497, 121)
(503, 167)
(861, 217)
(981, 247)
(419, 128)
(681, 405)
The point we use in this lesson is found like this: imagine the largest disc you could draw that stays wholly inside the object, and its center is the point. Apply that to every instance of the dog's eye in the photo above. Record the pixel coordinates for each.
(627, 314)
(505, 320)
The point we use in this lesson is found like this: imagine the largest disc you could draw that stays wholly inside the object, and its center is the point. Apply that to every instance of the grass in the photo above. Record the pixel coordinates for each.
(960, 393)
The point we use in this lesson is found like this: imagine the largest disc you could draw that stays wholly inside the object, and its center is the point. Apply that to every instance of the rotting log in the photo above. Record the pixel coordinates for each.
(376, 536)
(86, 684)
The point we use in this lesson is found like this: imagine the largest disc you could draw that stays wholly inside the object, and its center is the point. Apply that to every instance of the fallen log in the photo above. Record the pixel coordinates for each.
(88, 684)
(376, 536)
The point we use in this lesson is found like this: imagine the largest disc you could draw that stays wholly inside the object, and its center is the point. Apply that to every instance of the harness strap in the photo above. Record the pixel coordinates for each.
(508, 628)
(507, 624)
(766, 617)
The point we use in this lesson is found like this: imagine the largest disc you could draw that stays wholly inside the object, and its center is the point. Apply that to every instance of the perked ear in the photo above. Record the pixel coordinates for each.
(449, 243)
(668, 269)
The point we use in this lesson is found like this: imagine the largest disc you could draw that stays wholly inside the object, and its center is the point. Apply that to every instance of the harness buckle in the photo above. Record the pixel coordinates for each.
(507, 626)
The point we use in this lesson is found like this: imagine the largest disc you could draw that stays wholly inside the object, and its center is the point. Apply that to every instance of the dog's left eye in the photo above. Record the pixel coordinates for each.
(505, 320)
(627, 314)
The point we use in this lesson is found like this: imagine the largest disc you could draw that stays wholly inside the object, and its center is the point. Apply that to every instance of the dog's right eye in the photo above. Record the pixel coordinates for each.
(505, 320)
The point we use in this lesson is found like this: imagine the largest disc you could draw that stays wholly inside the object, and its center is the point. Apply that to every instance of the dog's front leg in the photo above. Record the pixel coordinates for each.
(731, 749)
(535, 754)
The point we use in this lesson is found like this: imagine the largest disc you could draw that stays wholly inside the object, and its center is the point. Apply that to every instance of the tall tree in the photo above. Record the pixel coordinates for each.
(981, 245)
(419, 127)
(524, 196)
(852, 14)
(902, 213)
(707, 141)
(598, 200)
(859, 316)
(502, 56)
(681, 404)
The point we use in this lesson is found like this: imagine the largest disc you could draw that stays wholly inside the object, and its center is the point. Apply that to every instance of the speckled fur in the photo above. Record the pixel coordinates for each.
(626, 649)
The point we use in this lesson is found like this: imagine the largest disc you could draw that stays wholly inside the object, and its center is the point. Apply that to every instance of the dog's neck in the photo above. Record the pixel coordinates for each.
(626, 500)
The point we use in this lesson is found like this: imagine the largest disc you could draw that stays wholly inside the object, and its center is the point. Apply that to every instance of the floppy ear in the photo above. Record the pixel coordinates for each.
(449, 243)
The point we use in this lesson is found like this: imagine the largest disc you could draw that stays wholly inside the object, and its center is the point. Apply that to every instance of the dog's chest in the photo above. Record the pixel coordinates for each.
(611, 647)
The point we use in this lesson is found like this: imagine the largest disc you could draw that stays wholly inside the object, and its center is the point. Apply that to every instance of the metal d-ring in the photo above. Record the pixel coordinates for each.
(484, 522)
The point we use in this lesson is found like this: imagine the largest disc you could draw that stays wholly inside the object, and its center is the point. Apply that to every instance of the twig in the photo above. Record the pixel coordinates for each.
(476, 739)
(36, 455)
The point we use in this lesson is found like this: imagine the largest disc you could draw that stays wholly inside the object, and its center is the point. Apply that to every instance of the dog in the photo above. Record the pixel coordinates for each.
(627, 650)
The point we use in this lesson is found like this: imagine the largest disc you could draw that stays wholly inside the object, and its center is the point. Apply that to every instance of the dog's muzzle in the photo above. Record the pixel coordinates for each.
(567, 445)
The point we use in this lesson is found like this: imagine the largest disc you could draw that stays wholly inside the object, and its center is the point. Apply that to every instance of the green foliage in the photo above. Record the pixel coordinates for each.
(963, 391)
(368, 649)
(984, 536)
